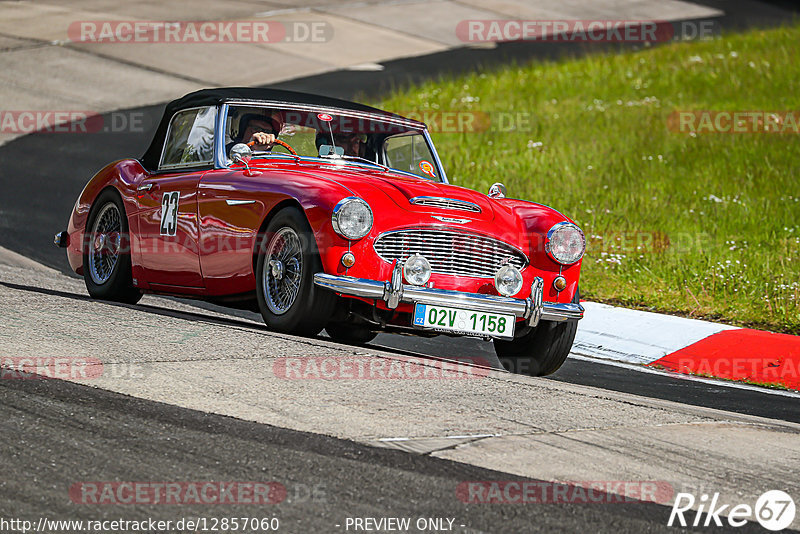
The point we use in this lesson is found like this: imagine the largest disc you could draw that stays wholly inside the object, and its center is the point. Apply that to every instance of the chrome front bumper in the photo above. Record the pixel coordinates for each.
(532, 309)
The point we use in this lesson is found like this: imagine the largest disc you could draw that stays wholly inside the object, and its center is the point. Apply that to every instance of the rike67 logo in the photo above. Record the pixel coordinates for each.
(774, 510)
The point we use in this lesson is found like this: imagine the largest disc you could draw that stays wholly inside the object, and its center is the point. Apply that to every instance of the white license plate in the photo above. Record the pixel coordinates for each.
(464, 321)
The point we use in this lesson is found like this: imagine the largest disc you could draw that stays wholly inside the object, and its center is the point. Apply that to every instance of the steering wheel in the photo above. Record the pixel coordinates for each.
(277, 142)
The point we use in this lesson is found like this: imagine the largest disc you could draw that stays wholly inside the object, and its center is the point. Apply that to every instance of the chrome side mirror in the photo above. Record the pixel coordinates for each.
(497, 190)
(241, 153)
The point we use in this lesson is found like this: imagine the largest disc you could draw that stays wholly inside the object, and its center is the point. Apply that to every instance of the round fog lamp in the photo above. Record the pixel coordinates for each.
(348, 259)
(560, 283)
(508, 280)
(417, 270)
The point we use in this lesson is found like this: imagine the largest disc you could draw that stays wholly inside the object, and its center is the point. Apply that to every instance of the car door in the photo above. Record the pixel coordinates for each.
(167, 201)
(168, 230)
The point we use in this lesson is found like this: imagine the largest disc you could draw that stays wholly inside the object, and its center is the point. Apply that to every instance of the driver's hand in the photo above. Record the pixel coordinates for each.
(262, 140)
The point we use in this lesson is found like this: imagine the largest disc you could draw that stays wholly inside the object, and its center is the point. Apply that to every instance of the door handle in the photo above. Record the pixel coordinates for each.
(145, 187)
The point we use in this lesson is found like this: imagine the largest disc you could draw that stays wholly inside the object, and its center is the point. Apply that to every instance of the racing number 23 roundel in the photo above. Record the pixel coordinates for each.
(169, 213)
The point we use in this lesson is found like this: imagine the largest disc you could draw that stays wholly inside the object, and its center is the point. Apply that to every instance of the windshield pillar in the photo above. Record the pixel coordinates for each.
(436, 159)
(220, 157)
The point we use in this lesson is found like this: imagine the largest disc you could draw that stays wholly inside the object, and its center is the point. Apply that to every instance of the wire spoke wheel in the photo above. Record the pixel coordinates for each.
(287, 260)
(282, 274)
(107, 268)
(104, 246)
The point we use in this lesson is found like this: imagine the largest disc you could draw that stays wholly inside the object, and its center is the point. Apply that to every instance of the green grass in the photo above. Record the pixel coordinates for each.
(724, 208)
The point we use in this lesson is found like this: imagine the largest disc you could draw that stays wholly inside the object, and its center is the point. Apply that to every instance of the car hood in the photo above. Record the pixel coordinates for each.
(401, 189)
(389, 194)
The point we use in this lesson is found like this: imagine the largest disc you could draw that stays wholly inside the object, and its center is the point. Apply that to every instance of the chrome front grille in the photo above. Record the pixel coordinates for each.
(450, 252)
(446, 203)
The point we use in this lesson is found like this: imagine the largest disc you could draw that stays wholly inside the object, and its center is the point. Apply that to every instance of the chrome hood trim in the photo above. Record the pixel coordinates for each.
(446, 203)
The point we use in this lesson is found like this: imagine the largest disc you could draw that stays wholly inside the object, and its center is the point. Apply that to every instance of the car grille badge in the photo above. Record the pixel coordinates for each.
(451, 219)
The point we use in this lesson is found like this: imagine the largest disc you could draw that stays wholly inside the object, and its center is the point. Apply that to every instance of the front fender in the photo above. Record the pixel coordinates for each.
(536, 220)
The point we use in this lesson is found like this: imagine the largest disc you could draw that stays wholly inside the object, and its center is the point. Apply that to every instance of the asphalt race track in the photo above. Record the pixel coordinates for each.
(190, 392)
(331, 479)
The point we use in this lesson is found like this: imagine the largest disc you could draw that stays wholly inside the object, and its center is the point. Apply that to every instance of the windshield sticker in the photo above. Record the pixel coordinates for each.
(427, 168)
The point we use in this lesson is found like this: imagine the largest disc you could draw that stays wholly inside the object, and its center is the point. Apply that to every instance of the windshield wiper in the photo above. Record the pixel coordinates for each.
(357, 158)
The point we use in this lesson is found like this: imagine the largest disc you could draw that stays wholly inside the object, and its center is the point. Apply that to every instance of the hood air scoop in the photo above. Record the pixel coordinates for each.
(446, 203)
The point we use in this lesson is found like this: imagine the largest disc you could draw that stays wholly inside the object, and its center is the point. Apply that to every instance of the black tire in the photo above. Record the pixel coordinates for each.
(306, 312)
(350, 334)
(105, 281)
(542, 350)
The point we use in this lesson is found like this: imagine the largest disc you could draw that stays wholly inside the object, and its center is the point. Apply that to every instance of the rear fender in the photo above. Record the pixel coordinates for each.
(122, 176)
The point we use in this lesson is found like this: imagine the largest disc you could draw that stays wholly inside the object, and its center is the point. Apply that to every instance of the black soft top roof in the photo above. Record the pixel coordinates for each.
(212, 97)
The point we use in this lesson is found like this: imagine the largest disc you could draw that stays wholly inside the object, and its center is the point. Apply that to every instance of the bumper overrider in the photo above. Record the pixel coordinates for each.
(394, 291)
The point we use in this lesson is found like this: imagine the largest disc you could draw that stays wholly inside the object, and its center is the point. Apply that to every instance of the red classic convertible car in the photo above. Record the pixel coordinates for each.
(326, 214)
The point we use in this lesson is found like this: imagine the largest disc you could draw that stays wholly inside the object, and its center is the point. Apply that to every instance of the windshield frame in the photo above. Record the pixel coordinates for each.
(221, 160)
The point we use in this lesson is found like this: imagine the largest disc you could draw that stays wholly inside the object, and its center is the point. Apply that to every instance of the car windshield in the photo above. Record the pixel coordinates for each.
(349, 139)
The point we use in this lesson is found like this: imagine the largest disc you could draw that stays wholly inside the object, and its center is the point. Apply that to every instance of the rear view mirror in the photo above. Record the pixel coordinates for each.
(331, 151)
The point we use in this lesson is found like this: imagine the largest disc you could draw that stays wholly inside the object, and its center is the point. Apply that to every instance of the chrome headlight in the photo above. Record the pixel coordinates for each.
(565, 243)
(508, 280)
(417, 270)
(352, 218)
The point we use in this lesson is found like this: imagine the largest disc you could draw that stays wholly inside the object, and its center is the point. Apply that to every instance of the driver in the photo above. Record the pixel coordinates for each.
(261, 130)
